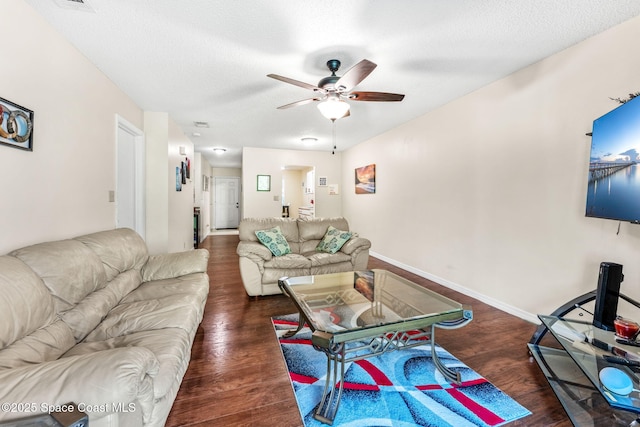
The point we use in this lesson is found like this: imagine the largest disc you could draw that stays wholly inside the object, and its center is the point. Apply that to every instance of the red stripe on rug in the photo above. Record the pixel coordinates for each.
(295, 341)
(470, 383)
(358, 386)
(286, 323)
(485, 415)
(303, 379)
(461, 385)
(429, 387)
(376, 374)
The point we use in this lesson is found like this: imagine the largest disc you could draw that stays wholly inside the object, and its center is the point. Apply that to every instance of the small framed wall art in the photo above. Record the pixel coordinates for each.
(178, 178)
(264, 182)
(16, 125)
(366, 179)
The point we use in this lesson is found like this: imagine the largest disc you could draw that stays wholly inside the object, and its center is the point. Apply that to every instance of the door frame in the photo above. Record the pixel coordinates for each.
(138, 173)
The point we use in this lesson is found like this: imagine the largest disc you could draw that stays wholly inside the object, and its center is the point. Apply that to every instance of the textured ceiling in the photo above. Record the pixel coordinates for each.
(207, 60)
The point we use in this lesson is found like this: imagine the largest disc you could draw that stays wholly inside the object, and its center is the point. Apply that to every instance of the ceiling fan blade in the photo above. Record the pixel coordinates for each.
(298, 103)
(355, 75)
(293, 82)
(375, 96)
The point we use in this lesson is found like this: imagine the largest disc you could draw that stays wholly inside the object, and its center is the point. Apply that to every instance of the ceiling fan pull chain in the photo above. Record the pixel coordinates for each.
(334, 136)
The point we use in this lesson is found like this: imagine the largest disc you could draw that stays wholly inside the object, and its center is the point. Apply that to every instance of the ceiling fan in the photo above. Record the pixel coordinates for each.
(332, 91)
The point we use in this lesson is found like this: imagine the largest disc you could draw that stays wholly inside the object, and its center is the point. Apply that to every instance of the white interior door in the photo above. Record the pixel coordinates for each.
(227, 202)
(129, 195)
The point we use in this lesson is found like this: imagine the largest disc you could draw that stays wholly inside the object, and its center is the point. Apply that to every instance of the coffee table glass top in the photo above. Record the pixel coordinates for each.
(362, 300)
(590, 347)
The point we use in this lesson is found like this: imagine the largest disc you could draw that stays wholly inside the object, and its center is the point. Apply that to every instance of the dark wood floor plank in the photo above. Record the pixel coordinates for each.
(237, 377)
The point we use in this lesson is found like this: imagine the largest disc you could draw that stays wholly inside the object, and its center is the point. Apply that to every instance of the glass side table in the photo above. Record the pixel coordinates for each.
(573, 373)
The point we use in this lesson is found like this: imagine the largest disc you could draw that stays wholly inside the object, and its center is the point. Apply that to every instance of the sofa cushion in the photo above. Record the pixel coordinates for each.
(88, 313)
(177, 264)
(288, 261)
(324, 258)
(333, 240)
(119, 250)
(175, 311)
(331, 268)
(171, 346)
(316, 229)
(69, 269)
(194, 285)
(43, 345)
(26, 305)
(248, 227)
(274, 240)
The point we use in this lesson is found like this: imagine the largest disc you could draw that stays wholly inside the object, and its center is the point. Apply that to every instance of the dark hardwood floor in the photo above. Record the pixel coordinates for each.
(237, 376)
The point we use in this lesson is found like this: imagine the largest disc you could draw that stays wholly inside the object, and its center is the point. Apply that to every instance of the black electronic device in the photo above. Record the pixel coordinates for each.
(607, 295)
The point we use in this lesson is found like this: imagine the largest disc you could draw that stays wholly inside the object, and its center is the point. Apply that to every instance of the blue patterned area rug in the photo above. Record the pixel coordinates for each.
(399, 388)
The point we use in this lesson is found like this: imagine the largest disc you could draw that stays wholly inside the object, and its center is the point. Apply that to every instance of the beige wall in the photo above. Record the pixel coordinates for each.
(61, 189)
(169, 212)
(487, 194)
(181, 203)
(264, 161)
(156, 127)
(203, 198)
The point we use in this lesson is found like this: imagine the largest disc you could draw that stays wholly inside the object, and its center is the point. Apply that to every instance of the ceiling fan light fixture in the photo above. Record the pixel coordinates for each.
(333, 108)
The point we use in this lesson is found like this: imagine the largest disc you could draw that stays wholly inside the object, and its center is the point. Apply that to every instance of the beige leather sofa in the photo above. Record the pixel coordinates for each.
(260, 270)
(97, 321)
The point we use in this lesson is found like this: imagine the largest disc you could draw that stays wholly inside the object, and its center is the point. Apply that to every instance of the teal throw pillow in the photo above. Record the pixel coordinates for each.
(333, 240)
(274, 240)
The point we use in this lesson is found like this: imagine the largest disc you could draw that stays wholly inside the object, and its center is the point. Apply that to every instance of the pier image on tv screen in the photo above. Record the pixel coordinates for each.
(614, 178)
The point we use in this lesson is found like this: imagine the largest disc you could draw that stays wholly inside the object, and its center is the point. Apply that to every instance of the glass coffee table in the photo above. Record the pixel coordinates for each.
(362, 314)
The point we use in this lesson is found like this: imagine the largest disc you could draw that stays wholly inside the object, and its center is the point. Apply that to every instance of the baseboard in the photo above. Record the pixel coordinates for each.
(529, 317)
(223, 232)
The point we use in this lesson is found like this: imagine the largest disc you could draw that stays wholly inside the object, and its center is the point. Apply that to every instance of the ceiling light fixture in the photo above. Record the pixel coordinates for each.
(82, 5)
(333, 108)
(219, 150)
(309, 140)
(201, 124)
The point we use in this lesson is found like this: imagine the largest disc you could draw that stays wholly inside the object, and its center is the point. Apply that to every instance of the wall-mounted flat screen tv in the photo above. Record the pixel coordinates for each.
(614, 176)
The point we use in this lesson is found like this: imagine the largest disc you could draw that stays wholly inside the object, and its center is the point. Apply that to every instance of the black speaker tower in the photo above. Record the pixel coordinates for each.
(607, 295)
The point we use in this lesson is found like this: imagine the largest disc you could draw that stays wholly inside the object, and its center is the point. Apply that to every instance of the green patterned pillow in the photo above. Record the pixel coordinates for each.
(333, 240)
(274, 240)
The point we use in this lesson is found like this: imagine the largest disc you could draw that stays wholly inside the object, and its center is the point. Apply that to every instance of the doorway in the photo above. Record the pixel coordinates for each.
(130, 161)
(226, 202)
(298, 188)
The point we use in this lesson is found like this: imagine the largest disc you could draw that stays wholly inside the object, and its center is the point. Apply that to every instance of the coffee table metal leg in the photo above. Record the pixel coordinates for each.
(332, 393)
(449, 374)
(301, 322)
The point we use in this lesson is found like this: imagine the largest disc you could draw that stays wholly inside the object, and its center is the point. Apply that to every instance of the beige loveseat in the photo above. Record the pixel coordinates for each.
(260, 269)
(97, 321)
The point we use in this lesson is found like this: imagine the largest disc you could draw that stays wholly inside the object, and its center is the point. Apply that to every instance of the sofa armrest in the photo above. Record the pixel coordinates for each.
(253, 250)
(169, 266)
(104, 382)
(355, 244)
